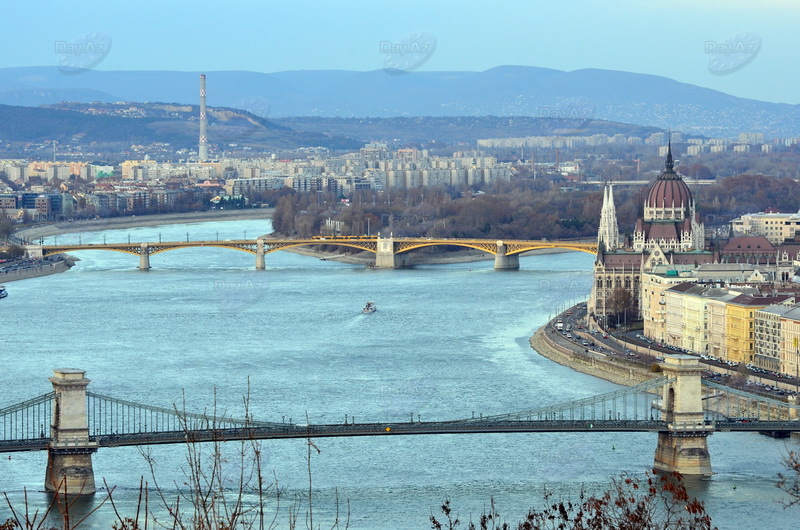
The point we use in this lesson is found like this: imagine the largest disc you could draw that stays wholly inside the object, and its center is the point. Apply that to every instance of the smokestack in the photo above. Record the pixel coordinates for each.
(202, 152)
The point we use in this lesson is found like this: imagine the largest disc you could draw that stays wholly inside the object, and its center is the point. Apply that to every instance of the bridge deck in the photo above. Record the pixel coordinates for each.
(290, 431)
(365, 243)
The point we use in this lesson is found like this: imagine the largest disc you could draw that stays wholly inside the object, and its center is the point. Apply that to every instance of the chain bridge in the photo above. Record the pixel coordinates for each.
(389, 252)
(71, 423)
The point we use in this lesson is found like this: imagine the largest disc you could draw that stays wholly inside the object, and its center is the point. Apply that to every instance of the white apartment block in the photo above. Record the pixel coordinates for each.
(767, 344)
(776, 227)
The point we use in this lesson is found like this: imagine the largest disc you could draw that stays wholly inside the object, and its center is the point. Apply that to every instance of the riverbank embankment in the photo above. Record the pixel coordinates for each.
(43, 268)
(628, 374)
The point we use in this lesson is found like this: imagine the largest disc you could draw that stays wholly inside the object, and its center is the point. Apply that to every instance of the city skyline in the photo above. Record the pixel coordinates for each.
(741, 48)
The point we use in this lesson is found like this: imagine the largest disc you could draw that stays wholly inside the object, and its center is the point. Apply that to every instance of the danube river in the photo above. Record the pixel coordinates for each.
(447, 342)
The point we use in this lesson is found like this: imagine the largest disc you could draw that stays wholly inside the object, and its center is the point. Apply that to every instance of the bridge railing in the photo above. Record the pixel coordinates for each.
(727, 403)
(638, 402)
(28, 420)
(112, 416)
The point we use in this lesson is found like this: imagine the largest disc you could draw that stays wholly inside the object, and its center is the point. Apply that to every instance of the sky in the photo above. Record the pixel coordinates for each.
(745, 48)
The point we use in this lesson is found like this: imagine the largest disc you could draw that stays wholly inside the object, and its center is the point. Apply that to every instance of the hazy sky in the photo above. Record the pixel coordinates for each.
(745, 48)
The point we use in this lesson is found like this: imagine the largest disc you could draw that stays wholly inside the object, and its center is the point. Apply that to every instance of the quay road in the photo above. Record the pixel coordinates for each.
(607, 346)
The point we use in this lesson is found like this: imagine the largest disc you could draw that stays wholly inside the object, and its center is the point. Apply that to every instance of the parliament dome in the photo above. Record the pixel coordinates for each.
(669, 197)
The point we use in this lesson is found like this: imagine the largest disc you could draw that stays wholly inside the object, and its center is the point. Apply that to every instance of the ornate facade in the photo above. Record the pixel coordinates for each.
(669, 233)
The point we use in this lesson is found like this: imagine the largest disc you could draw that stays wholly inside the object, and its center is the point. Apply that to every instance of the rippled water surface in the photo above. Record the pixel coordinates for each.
(447, 342)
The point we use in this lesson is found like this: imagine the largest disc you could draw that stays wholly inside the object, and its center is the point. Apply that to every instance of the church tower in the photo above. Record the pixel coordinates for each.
(608, 231)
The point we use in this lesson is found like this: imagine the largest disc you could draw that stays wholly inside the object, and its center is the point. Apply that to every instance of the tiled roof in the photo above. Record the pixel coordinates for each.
(740, 243)
(746, 299)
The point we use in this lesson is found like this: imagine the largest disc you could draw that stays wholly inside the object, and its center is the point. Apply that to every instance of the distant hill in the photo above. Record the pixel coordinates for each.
(503, 91)
(146, 123)
(106, 127)
(451, 129)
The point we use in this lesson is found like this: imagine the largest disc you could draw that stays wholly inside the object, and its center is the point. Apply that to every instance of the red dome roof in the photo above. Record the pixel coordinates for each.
(669, 190)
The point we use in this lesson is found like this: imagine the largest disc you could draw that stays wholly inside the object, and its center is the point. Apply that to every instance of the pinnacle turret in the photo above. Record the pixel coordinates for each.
(608, 231)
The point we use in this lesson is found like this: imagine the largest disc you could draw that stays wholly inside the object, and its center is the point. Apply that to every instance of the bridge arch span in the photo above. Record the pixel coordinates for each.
(283, 246)
(491, 248)
(587, 250)
(75, 248)
(476, 246)
(157, 250)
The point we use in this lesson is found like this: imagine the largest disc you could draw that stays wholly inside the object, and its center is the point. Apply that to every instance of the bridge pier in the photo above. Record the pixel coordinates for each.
(261, 263)
(503, 261)
(386, 258)
(69, 455)
(684, 446)
(34, 252)
(144, 258)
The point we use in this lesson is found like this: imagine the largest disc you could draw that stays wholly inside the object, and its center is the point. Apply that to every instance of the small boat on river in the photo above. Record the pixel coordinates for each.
(3, 292)
(369, 308)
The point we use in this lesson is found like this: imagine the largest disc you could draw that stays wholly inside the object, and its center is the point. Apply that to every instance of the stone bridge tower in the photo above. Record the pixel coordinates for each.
(683, 447)
(69, 455)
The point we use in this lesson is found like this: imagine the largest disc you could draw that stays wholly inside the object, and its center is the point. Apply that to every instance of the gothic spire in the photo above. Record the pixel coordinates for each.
(669, 164)
(608, 231)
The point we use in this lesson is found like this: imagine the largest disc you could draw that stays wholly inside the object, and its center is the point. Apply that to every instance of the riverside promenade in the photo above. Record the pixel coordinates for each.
(616, 359)
(552, 345)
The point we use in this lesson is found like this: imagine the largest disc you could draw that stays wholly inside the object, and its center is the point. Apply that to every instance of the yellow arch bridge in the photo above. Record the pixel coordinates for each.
(389, 252)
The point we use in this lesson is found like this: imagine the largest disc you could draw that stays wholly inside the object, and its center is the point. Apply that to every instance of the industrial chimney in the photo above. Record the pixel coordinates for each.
(202, 152)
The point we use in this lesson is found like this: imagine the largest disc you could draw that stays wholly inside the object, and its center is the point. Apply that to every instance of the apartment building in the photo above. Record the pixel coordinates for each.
(768, 336)
(777, 227)
(740, 324)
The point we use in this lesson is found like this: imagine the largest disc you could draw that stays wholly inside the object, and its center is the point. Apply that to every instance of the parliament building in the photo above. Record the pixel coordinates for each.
(669, 233)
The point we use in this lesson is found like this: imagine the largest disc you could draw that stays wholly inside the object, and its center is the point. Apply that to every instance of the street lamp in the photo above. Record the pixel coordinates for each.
(187, 237)
(217, 235)
(159, 237)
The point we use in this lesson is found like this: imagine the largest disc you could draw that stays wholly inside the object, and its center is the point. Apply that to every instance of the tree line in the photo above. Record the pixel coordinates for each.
(519, 209)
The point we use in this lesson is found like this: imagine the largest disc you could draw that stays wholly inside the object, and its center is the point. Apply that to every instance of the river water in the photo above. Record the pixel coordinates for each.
(447, 342)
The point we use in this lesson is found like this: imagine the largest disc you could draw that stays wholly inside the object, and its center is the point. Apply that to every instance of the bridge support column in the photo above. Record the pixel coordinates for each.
(261, 263)
(34, 252)
(503, 261)
(386, 258)
(144, 258)
(684, 446)
(69, 455)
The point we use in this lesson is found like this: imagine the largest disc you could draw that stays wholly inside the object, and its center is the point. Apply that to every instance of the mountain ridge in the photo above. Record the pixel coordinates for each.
(506, 90)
